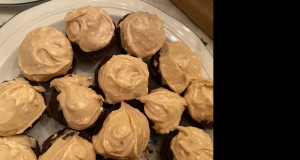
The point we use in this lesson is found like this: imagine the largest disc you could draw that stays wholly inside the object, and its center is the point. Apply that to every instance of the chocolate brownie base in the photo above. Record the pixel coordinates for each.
(36, 149)
(165, 151)
(56, 114)
(94, 55)
(202, 125)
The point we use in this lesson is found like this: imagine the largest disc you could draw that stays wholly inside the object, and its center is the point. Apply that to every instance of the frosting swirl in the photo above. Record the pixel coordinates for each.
(191, 143)
(142, 34)
(178, 65)
(90, 27)
(21, 105)
(17, 148)
(45, 53)
(80, 105)
(70, 146)
(199, 98)
(124, 135)
(123, 77)
(164, 108)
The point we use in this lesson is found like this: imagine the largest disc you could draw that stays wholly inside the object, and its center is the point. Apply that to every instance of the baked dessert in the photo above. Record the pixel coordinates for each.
(187, 143)
(68, 144)
(164, 108)
(91, 32)
(19, 147)
(45, 53)
(21, 106)
(122, 77)
(175, 65)
(141, 34)
(124, 135)
(73, 103)
(199, 98)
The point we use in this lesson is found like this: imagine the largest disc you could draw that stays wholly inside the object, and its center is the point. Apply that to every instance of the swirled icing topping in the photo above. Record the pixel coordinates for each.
(191, 143)
(199, 98)
(142, 34)
(90, 27)
(124, 135)
(20, 106)
(123, 77)
(178, 65)
(44, 54)
(70, 146)
(164, 108)
(17, 148)
(80, 105)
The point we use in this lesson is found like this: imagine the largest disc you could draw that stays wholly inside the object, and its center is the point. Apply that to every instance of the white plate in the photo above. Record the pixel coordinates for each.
(52, 13)
(17, 2)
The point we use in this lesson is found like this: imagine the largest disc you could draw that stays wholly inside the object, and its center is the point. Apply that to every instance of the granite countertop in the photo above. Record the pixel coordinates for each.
(7, 12)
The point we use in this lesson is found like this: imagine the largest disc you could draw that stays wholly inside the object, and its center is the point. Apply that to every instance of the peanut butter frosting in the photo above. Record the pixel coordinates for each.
(21, 105)
(142, 34)
(123, 77)
(124, 135)
(44, 54)
(178, 65)
(80, 105)
(90, 27)
(164, 108)
(70, 146)
(17, 148)
(191, 143)
(199, 98)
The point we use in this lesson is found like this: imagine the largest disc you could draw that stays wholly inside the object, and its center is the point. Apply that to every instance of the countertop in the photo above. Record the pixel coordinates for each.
(7, 12)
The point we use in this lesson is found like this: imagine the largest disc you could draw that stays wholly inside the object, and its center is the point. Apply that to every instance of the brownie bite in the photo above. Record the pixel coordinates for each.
(73, 103)
(21, 107)
(66, 143)
(175, 65)
(140, 34)
(199, 98)
(25, 146)
(122, 78)
(194, 141)
(45, 53)
(91, 32)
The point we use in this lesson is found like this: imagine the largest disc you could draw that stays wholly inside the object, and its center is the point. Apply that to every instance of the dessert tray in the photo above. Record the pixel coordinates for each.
(52, 13)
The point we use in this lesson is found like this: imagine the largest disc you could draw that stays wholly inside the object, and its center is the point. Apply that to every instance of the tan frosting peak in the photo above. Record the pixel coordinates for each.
(123, 77)
(45, 53)
(21, 105)
(73, 147)
(191, 143)
(124, 135)
(178, 65)
(142, 34)
(199, 98)
(17, 148)
(90, 27)
(81, 105)
(164, 108)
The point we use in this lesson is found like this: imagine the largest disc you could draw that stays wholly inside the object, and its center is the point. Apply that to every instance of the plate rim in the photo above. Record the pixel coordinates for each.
(21, 3)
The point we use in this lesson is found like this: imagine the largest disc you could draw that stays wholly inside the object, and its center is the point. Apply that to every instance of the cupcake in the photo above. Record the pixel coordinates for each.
(122, 77)
(175, 65)
(19, 147)
(187, 143)
(124, 135)
(199, 98)
(21, 106)
(73, 103)
(68, 144)
(44, 54)
(90, 31)
(141, 34)
(164, 108)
